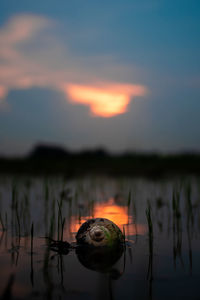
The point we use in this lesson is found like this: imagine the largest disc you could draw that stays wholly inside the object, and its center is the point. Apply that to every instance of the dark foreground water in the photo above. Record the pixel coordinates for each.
(161, 220)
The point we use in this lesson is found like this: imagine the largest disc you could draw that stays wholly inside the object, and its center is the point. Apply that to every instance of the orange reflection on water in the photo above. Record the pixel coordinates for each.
(110, 210)
(105, 100)
(116, 213)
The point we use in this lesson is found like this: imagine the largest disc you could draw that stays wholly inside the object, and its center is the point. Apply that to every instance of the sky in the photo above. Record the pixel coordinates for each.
(120, 75)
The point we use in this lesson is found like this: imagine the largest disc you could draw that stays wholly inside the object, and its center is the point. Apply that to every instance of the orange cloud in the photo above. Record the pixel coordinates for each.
(32, 56)
(106, 100)
(3, 92)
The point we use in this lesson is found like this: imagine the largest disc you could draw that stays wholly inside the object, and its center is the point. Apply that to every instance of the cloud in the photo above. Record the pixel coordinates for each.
(16, 69)
(105, 100)
(3, 92)
(31, 55)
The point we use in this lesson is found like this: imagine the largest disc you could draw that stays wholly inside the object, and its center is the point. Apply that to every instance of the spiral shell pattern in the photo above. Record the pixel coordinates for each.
(99, 232)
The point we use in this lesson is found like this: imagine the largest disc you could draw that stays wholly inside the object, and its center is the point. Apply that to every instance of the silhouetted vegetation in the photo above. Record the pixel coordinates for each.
(53, 159)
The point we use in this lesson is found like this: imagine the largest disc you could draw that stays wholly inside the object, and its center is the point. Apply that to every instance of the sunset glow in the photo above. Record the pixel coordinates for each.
(3, 92)
(110, 210)
(116, 213)
(104, 100)
(34, 68)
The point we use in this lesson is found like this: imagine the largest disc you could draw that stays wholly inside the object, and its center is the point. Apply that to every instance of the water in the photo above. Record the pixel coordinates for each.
(161, 220)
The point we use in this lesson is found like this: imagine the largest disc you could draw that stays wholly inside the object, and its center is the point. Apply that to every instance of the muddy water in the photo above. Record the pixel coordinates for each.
(161, 221)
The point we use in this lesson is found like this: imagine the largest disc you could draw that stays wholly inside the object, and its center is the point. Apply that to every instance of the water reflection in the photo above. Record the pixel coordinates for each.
(168, 239)
(119, 214)
(7, 293)
(98, 259)
(177, 228)
(151, 248)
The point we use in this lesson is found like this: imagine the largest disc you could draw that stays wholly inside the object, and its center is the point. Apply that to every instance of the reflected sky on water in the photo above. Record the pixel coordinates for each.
(160, 219)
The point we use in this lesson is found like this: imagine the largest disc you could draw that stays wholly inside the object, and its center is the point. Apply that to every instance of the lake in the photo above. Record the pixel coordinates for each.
(160, 220)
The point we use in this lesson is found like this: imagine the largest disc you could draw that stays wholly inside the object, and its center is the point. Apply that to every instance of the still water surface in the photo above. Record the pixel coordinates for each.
(161, 221)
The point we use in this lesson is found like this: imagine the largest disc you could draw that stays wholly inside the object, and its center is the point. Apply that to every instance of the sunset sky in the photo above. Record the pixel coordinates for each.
(123, 75)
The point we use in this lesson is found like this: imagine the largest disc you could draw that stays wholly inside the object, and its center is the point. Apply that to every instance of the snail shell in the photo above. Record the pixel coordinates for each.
(99, 232)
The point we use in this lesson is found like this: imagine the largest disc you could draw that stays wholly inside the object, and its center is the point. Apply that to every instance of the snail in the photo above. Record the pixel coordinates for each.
(99, 244)
(99, 232)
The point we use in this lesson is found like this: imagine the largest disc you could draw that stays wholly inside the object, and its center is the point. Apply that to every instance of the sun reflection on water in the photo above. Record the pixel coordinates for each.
(116, 213)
